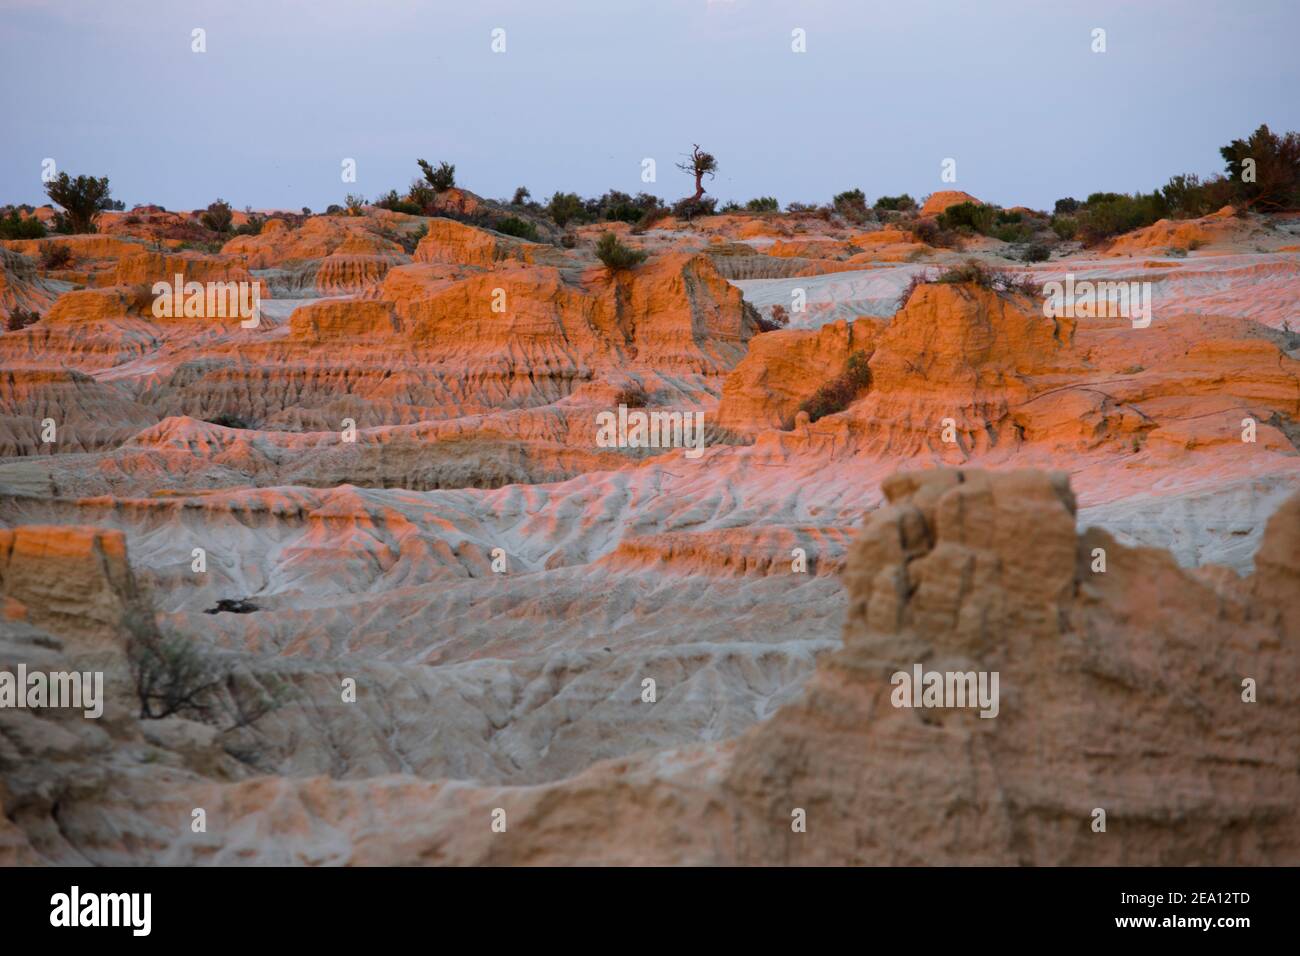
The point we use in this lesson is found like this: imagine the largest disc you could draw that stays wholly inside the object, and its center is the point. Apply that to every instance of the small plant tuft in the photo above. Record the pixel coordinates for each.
(20, 319)
(56, 256)
(840, 392)
(615, 255)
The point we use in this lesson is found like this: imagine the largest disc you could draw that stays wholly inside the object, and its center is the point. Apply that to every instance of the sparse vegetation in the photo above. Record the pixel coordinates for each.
(840, 392)
(1036, 252)
(395, 203)
(82, 200)
(809, 210)
(251, 228)
(896, 203)
(690, 207)
(616, 206)
(422, 196)
(1065, 227)
(176, 676)
(927, 230)
(650, 217)
(56, 255)
(1012, 227)
(917, 280)
(226, 420)
(354, 203)
(519, 228)
(20, 318)
(779, 319)
(633, 396)
(972, 272)
(615, 255)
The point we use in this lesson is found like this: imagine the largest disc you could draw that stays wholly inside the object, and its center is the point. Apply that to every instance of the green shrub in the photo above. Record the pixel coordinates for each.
(81, 198)
(617, 206)
(925, 230)
(763, 204)
(217, 216)
(421, 195)
(1036, 252)
(967, 216)
(1065, 227)
(1013, 232)
(253, 227)
(650, 217)
(519, 228)
(808, 209)
(896, 203)
(522, 195)
(1111, 214)
(840, 392)
(565, 208)
(14, 226)
(442, 178)
(1066, 206)
(851, 203)
(395, 203)
(1276, 158)
(615, 255)
(690, 207)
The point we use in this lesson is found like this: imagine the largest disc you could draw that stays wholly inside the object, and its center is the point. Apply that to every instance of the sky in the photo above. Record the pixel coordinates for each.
(587, 89)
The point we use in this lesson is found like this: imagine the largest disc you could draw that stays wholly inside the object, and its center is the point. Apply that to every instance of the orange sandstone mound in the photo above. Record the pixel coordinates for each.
(941, 200)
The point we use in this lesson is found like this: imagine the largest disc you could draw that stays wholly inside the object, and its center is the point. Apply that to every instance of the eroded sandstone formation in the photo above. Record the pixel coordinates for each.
(395, 478)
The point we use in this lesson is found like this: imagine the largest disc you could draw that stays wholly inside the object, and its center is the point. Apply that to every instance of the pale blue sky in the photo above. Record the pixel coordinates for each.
(587, 88)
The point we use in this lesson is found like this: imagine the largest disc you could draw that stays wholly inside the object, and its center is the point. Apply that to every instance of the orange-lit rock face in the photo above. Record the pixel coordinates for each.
(784, 368)
(146, 268)
(1221, 233)
(401, 471)
(278, 243)
(451, 242)
(74, 582)
(944, 198)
